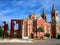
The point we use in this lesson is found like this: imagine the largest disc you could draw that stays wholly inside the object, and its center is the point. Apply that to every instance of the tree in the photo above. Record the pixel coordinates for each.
(40, 29)
(1, 32)
(47, 35)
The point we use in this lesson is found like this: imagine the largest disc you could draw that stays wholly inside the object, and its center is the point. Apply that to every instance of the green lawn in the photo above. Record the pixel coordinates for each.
(57, 44)
(39, 39)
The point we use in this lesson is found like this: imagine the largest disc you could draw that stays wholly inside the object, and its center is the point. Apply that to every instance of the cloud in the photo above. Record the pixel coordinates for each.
(3, 12)
(5, 18)
(17, 9)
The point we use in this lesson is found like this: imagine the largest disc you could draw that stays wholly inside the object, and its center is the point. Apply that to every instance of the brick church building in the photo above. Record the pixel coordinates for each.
(27, 28)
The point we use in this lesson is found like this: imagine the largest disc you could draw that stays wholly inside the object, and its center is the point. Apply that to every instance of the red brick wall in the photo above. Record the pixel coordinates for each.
(53, 31)
(40, 22)
(38, 35)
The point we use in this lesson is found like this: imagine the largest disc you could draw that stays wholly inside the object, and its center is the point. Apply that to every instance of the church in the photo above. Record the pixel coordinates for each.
(28, 28)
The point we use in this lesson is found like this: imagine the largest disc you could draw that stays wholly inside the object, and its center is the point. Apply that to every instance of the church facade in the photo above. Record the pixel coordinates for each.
(28, 28)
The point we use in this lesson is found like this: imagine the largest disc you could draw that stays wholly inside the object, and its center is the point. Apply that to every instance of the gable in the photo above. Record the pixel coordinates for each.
(40, 22)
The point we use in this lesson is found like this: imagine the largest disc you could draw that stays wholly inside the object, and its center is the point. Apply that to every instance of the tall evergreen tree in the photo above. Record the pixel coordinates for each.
(1, 32)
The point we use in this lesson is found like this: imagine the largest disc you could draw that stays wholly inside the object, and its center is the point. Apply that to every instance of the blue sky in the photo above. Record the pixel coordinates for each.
(19, 9)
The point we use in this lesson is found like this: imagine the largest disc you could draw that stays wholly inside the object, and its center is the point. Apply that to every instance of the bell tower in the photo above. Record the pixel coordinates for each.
(43, 15)
(54, 22)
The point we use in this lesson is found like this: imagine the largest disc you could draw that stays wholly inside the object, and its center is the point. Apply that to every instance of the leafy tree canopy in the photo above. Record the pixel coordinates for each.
(40, 29)
(1, 31)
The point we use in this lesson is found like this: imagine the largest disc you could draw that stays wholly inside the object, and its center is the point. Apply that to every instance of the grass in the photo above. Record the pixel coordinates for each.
(57, 44)
(39, 39)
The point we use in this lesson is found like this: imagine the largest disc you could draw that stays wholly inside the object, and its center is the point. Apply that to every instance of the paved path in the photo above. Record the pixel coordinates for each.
(44, 42)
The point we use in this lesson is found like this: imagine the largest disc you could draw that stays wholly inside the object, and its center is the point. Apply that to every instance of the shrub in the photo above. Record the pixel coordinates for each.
(40, 29)
(47, 35)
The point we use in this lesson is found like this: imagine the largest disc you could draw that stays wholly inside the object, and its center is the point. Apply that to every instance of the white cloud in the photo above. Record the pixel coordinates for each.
(4, 18)
(28, 5)
(3, 12)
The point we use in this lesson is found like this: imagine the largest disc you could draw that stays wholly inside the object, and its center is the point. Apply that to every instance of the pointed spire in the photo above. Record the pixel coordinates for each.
(44, 15)
(43, 11)
(23, 17)
(53, 7)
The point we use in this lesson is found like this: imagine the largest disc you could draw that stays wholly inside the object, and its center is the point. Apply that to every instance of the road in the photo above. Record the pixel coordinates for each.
(40, 42)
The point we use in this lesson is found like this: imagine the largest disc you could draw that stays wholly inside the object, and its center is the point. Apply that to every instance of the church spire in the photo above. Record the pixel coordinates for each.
(44, 15)
(54, 22)
(43, 12)
(53, 7)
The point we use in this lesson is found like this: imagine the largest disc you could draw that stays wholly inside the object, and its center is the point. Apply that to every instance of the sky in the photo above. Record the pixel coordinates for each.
(19, 9)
